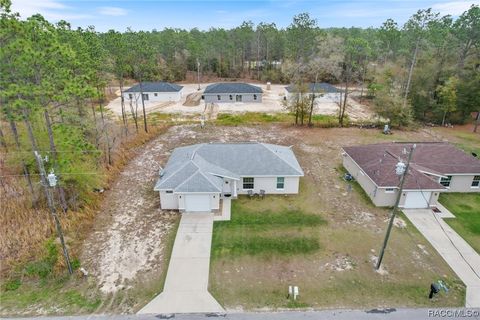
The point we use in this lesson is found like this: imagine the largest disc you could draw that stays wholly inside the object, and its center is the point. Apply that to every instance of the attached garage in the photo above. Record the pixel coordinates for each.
(197, 203)
(417, 199)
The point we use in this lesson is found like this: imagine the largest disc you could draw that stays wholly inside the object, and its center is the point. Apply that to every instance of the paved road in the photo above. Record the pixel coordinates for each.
(186, 284)
(459, 255)
(388, 314)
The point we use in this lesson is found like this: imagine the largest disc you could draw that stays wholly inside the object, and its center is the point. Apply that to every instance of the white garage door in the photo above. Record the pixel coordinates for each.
(417, 199)
(197, 202)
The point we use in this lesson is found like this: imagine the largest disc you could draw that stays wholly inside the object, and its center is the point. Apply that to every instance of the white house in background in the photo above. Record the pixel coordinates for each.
(435, 167)
(232, 92)
(154, 92)
(325, 92)
(205, 177)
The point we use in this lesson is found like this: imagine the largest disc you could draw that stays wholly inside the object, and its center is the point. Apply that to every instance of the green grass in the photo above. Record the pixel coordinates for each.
(253, 244)
(51, 296)
(159, 118)
(466, 208)
(249, 118)
(267, 219)
(469, 141)
(263, 232)
(228, 119)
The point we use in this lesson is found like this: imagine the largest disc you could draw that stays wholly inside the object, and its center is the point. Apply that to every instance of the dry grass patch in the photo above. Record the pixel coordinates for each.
(341, 273)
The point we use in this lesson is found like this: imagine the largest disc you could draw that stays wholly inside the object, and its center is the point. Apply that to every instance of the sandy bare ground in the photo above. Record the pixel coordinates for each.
(271, 103)
(126, 249)
(130, 231)
(128, 240)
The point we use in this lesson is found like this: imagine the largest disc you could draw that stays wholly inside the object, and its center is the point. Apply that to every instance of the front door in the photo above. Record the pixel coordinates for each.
(238, 98)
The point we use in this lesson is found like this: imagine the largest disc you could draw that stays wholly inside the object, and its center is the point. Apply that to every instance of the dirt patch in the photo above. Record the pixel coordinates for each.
(130, 229)
(341, 274)
(341, 263)
(193, 99)
(127, 247)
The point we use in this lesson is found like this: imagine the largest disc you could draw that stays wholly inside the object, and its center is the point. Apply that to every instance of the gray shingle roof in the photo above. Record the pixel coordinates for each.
(232, 87)
(318, 87)
(199, 168)
(156, 87)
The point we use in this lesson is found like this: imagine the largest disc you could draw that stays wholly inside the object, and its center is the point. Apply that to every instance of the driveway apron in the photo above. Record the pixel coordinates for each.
(186, 284)
(459, 255)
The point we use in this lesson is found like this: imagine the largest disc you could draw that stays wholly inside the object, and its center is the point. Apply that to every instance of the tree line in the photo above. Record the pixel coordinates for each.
(53, 77)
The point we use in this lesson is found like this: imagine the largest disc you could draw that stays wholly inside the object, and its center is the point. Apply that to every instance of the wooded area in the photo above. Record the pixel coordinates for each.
(53, 80)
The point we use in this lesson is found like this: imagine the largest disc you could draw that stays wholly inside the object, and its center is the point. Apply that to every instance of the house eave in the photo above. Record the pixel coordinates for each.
(426, 189)
(432, 174)
(462, 174)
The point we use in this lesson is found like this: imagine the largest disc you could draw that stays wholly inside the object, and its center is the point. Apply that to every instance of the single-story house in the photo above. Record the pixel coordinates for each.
(325, 92)
(154, 92)
(232, 92)
(435, 167)
(205, 177)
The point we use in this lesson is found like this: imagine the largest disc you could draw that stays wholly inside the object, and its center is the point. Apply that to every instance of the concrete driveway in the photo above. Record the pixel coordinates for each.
(459, 255)
(186, 285)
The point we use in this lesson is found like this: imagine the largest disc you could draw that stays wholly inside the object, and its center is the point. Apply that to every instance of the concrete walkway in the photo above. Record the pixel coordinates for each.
(186, 285)
(459, 255)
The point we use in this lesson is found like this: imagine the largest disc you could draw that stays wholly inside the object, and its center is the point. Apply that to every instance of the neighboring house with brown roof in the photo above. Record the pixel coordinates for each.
(435, 167)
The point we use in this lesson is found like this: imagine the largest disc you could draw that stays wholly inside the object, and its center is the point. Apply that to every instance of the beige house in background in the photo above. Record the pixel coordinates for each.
(435, 168)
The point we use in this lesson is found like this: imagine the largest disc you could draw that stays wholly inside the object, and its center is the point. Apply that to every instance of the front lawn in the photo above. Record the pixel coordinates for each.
(264, 232)
(466, 208)
(288, 240)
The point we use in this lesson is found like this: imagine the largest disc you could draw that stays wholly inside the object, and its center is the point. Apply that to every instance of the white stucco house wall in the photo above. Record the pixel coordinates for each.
(324, 92)
(153, 92)
(206, 177)
(436, 167)
(232, 92)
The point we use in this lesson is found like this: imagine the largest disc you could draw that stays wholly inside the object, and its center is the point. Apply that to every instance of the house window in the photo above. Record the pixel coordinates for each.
(280, 183)
(218, 97)
(145, 96)
(476, 182)
(389, 190)
(130, 96)
(247, 183)
(254, 97)
(169, 191)
(445, 181)
(231, 97)
(155, 94)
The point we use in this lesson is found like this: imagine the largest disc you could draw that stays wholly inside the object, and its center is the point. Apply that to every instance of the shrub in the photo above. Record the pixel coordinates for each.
(12, 285)
(44, 267)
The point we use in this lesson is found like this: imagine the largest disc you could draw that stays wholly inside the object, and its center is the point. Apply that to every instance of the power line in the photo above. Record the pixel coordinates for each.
(49, 151)
(61, 174)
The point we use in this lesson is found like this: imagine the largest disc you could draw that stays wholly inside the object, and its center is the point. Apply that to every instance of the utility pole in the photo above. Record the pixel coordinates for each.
(402, 171)
(47, 183)
(477, 121)
(198, 74)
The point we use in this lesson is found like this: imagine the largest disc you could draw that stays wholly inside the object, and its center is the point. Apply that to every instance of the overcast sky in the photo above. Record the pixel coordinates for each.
(158, 14)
